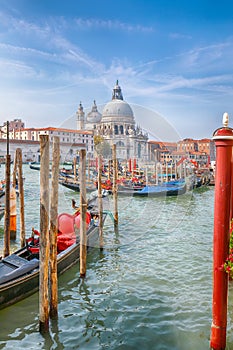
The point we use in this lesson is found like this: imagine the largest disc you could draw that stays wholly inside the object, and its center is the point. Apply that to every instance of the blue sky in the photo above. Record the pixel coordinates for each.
(174, 58)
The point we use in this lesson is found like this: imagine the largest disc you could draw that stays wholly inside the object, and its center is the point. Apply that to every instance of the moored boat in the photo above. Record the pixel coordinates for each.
(34, 166)
(156, 191)
(2, 211)
(71, 185)
(74, 186)
(2, 197)
(19, 272)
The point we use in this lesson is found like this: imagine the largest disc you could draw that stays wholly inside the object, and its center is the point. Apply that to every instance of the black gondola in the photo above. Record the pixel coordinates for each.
(19, 272)
(71, 185)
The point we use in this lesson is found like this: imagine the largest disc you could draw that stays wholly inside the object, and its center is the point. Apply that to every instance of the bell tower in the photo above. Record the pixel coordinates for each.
(80, 117)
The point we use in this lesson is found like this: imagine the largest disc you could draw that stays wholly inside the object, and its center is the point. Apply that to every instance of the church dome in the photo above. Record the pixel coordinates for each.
(117, 109)
(94, 116)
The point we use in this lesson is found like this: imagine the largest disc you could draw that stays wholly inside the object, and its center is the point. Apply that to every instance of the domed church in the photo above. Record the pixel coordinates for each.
(116, 125)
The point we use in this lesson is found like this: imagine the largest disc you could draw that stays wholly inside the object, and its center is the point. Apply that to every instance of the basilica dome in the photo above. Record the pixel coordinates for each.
(94, 116)
(117, 109)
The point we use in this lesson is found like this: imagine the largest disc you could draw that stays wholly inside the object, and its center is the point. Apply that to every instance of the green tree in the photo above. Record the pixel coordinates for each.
(102, 147)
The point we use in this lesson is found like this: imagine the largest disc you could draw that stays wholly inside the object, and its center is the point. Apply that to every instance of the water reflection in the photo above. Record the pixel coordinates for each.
(149, 288)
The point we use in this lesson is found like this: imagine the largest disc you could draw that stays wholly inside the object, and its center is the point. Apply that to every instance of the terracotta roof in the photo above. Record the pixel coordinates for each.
(161, 143)
(198, 153)
(85, 132)
(16, 141)
(179, 153)
(204, 140)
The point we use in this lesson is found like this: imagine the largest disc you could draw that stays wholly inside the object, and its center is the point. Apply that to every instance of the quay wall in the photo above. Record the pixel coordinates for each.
(31, 150)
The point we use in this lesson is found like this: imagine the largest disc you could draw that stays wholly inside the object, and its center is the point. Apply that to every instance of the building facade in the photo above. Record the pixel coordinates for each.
(199, 152)
(117, 126)
(28, 139)
(31, 150)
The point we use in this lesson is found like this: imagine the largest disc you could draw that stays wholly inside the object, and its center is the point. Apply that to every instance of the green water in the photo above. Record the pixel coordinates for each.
(150, 287)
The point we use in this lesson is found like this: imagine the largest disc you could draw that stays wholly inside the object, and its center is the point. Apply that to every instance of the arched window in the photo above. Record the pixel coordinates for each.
(120, 144)
(139, 150)
(116, 129)
(121, 129)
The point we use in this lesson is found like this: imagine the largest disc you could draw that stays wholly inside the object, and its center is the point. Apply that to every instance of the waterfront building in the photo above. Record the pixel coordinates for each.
(198, 152)
(160, 151)
(187, 145)
(14, 125)
(116, 125)
(65, 135)
(71, 141)
(207, 146)
(203, 151)
(201, 159)
(31, 150)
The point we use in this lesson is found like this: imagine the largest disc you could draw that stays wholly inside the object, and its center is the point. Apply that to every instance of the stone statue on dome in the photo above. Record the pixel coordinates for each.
(131, 131)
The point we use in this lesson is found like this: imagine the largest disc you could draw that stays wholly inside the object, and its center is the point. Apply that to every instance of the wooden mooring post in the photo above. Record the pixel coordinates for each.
(13, 207)
(83, 211)
(17, 180)
(13, 213)
(54, 229)
(89, 172)
(6, 250)
(100, 200)
(44, 235)
(21, 197)
(223, 138)
(7, 207)
(75, 168)
(114, 186)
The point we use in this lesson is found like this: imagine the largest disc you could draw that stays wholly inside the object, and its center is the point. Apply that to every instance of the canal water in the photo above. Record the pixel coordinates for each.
(150, 287)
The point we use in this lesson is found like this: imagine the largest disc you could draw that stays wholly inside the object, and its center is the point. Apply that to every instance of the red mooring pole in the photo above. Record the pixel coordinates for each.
(130, 165)
(223, 138)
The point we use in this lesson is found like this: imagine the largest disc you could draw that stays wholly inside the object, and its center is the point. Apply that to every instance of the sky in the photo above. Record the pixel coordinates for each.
(173, 60)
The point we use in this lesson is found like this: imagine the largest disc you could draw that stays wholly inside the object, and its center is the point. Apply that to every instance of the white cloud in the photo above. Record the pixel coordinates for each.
(179, 36)
(21, 50)
(12, 68)
(205, 56)
(91, 23)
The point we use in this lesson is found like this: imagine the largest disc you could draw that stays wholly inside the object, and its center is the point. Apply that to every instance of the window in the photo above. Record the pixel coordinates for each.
(116, 129)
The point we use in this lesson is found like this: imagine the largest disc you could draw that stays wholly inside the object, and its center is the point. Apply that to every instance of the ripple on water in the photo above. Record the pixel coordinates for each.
(150, 288)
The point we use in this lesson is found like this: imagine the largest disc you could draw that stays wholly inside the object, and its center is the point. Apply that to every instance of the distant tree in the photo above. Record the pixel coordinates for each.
(98, 139)
(102, 147)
